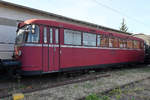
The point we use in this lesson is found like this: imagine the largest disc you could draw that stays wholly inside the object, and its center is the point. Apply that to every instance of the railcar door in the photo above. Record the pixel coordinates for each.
(54, 49)
(50, 49)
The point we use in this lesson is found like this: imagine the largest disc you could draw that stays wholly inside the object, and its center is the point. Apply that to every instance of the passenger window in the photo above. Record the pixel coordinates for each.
(51, 35)
(124, 43)
(45, 34)
(72, 37)
(111, 42)
(56, 36)
(116, 42)
(129, 44)
(98, 40)
(142, 45)
(136, 44)
(33, 37)
(89, 39)
(121, 45)
(104, 41)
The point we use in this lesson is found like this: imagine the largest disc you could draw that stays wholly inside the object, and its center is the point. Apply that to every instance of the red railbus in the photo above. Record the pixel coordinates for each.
(45, 46)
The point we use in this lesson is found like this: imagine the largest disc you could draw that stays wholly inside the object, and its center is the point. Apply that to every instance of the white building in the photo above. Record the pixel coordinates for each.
(11, 14)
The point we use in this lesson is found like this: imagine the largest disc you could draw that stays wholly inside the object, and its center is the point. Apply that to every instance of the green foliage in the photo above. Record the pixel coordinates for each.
(123, 27)
(118, 97)
(133, 98)
(95, 97)
(92, 97)
(116, 91)
(105, 97)
(75, 86)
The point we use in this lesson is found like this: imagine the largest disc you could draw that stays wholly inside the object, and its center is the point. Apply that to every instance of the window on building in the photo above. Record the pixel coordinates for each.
(104, 41)
(72, 37)
(89, 39)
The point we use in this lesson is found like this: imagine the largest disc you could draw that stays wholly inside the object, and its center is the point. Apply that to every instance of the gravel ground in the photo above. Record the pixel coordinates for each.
(80, 90)
(137, 91)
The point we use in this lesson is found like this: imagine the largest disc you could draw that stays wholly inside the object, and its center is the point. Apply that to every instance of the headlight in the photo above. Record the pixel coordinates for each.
(19, 53)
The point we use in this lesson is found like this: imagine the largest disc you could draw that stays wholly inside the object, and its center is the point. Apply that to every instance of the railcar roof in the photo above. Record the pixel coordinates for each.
(68, 25)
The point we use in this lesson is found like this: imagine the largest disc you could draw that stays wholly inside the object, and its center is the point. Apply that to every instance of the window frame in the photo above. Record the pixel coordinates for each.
(58, 35)
(74, 31)
(39, 37)
(92, 34)
(114, 45)
(141, 45)
(47, 28)
(106, 41)
(131, 43)
(99, 40)
(121, 43)
(111, 37)
(50, 36)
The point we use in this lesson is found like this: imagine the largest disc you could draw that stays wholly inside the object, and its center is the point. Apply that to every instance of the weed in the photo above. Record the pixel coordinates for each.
(133, 98)
(118, 97)
(75, 86)
(92, 97)
(105, 97)
(116, 91)
(95, 97)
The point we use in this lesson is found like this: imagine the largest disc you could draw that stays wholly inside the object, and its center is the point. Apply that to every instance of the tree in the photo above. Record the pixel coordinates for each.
(123, 27)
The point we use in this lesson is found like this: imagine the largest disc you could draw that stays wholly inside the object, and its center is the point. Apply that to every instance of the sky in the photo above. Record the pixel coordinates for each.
(107, 13)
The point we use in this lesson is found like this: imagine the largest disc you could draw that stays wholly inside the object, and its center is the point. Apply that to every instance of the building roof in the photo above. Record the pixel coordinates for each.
(62, 17)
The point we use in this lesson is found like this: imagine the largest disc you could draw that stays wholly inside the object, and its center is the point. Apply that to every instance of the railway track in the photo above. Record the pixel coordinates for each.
(2, 95)
(54, 81)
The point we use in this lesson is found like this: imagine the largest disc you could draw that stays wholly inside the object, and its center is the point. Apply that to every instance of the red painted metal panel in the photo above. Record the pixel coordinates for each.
(31, 58)
(45, 58)
(75, 57)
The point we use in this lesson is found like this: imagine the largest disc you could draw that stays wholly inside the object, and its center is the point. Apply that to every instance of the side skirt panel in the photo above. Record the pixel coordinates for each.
(40, 72)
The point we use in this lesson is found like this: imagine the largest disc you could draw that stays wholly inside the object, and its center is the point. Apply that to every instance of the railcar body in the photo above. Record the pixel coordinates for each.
(45, 46)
